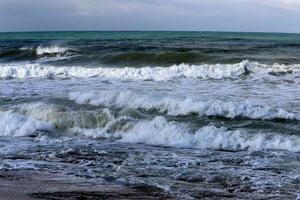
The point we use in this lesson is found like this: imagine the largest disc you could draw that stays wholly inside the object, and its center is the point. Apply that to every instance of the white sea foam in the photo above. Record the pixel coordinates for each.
(127, 73)
(26, 48)
(40, 50)
(95, 133)
(175, 107)
(17, 125)
(275, 68)
(215, 71)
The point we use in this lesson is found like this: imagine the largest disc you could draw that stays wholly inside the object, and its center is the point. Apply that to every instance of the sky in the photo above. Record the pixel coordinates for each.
(181, 15)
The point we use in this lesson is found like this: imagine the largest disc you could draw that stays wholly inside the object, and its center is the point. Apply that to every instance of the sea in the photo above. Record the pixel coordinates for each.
(150, 115)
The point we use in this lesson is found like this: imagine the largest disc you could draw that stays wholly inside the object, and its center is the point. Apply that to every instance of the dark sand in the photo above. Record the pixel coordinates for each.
(30, 185)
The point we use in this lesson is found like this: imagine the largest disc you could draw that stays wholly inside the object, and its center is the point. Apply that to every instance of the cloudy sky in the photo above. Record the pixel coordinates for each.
(198, 15)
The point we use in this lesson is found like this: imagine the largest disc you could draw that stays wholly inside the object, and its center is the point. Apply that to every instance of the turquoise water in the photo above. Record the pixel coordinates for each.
(141, 35)
(151, 48)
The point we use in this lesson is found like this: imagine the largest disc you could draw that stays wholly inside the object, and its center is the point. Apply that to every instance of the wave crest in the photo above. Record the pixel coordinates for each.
(64, 118)
(217, 71)
(17, 125)
(55, 49)
(205, 71)
(161, 132)
(175, 107)
(158, 131)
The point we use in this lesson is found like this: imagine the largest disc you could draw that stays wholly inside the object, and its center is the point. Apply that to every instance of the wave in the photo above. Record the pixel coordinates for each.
(18, 54)
(161, 132)
(28, 119)
(32, 53)
(205, 71)
(18, 125)
(54, 49)
(64, 118)
(218, 71)
(187, 106)
(31, 118)
(156, 58)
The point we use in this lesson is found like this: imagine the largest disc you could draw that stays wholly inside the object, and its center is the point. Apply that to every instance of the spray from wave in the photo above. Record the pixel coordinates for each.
(54, 49)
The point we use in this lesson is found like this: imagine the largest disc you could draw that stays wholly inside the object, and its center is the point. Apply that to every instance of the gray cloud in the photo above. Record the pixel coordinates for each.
(227, 15)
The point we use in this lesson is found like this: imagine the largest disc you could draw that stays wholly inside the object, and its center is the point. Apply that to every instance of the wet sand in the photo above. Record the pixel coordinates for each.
(30, 185)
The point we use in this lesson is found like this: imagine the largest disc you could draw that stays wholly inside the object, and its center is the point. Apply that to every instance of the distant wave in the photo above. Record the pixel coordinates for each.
(54, 49)
(205, 71)
(175, 107)
(18, 54)
(31, 53)
(155, 58)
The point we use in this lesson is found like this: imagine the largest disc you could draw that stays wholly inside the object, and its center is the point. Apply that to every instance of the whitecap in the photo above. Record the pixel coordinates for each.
(175, 107)
(161, 132)
(40, 50)
(217, 71)
(17, 125)
(205, 71)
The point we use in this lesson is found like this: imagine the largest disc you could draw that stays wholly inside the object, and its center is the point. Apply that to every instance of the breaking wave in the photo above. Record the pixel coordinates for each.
(188, 106)
(146, 73)
(17, 125)
(160, 132)
(64, 118)
(41, 50)
(28, 119)
(205, 71)
(31, 53)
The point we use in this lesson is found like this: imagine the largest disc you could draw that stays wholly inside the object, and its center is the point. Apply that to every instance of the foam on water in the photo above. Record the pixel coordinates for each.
(26, 48)
(40, 50)
(11, 165)
(17, 125)
(187, 106)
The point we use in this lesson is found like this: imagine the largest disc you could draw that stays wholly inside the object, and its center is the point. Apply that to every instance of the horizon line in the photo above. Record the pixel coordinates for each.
(217, 31)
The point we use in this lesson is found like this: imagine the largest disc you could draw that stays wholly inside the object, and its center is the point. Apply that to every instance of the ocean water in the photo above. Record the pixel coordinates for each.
(184, 115)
